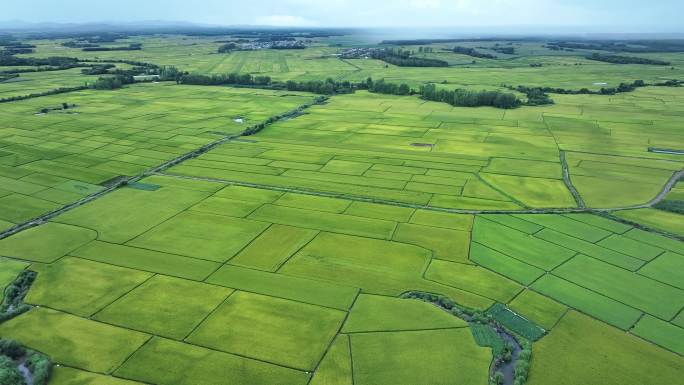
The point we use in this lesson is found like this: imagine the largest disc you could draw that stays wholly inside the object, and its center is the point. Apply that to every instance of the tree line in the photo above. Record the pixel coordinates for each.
(12, 353)
(622, 87)
(617, 59)
(472, 52)
(470, 98)
(226, 48)
(402, 58)
(456, 97)
(130, 47)
(323, 87)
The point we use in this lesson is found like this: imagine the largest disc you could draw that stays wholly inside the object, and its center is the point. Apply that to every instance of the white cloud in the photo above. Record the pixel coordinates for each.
(284, 21)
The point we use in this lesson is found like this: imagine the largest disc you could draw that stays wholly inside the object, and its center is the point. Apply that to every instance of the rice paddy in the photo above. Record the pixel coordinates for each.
(280, 257)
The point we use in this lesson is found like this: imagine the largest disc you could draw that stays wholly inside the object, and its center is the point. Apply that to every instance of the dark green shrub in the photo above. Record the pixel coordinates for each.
(9, 374)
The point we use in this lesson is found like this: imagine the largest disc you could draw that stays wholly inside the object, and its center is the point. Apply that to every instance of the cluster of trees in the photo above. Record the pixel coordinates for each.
(78, 44)
(112, 82)
(223, 79)
(472, 52)
(15, 51)
(327, 87)
(536, 96)
(13, 302)
(669, 83)
(98, 69)
(617, 59)
(11, 353)
(457, 97)
(401, 58)
(425, 49)
(381, 87)
(63, 106)
(673, 206)
(470, 98)
(522, 366)
(623, 87)
(632, 46)
(53, 61)
(226, 48)
(508, 50)
(130, 47)
(323, 87)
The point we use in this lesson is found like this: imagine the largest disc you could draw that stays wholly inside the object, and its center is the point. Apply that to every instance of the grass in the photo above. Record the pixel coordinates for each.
(567, 226)
(666, 268)
(270, 329)
(379, 267)
(146, 260)
(661, 333)
(346, 224)
(446, 220)
(115, 223)
(297, 262)
(515, 322)
(486, 336)
(634, 290)
(81, 287)
(538, 308)
(593, 250)
(591, 350)
(451, 245)
(533, 192)
(74, 341)
(273, 247)
(474, 279)
(193, 235)
(389, 358)
(372, 313)
(178, 363)
(658, 219)
(516, 244)
(513, 222)
(62, 375)
(164, 306)
(45, 243)
(9, 271)
(336, 366)
(307, 290)
(57, 158)
(606, 309)
(504, 265)
(378, 211)
(631, 247)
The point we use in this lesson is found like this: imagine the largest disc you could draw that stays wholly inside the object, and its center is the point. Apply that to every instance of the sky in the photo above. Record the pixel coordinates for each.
(590, 15)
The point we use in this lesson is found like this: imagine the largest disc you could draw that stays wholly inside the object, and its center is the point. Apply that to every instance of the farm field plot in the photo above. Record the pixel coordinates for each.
(258, 235)
(410, 151)
(51, 159)
(179, 297)
(37, 82)
(615, 277)
(106, 291)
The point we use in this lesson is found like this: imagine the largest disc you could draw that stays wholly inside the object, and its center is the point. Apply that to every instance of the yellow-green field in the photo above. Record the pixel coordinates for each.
(285, 256)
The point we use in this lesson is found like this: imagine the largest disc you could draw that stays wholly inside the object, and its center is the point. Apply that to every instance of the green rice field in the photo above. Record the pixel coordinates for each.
(280, 255)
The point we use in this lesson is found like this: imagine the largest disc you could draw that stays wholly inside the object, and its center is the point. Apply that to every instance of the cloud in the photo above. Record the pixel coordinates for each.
(284, 21)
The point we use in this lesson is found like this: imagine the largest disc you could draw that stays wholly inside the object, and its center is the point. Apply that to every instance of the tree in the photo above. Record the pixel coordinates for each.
(498, 378)
(9, 374)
